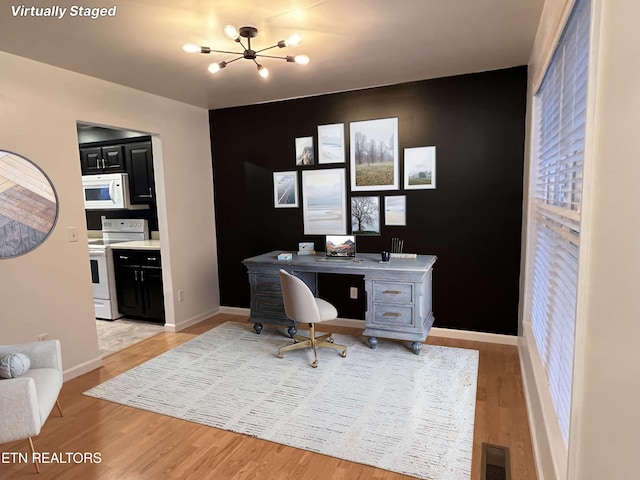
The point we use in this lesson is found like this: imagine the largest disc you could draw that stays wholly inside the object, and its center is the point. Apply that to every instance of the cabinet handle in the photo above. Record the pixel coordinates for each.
(152, 259)
(104, 165)
(97, 163)
(391, 314)
(142, 275)
(123, 257)
(393, 292)
(135, 275)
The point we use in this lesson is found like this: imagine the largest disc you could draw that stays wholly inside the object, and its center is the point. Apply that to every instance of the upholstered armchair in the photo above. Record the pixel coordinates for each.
(27, 400)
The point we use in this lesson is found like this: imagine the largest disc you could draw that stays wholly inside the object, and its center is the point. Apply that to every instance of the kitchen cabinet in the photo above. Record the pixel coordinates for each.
(139, 284)
(139, 161)
(99, 160)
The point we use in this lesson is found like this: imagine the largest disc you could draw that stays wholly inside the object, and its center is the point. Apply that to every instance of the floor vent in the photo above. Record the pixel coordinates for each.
(495, 463)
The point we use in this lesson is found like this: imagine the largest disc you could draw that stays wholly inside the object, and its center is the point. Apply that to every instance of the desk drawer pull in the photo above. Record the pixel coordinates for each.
(391, 314)
(269, 284)
(272, 303)
(393, 292)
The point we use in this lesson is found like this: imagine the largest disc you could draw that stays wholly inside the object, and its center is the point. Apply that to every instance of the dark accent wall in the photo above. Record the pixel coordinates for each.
(471, 221)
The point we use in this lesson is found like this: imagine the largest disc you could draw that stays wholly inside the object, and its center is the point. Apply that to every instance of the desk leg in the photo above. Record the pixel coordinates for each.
(416, 347)
(257, 327)
(373, 342)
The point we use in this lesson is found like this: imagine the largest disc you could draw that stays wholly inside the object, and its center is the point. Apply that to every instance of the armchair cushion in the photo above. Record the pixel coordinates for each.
(13, 365)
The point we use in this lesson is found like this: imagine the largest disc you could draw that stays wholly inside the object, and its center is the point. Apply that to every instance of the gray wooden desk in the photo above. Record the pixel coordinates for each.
(398, 292)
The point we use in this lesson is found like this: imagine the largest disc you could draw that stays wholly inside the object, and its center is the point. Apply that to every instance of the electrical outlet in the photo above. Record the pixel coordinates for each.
(73, 234)
(353, 293)
(180, 295)
(43, 336)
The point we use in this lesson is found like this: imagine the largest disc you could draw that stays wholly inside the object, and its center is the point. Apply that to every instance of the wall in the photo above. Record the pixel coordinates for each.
(471, 221)
(49, 289)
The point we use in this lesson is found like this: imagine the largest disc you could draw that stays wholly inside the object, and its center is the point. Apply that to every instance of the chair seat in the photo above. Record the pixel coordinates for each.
(327, 311)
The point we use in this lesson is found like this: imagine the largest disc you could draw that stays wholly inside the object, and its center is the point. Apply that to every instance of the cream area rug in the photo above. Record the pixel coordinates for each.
(388, 408)
(117, 335)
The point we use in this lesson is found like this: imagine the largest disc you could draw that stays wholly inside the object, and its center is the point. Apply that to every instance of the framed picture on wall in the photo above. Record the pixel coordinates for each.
(395, 210)
(304, 151)
(324, 201)
(331, 143)
(365, 215)
(285, 189)
(374, 154)
(419, 168)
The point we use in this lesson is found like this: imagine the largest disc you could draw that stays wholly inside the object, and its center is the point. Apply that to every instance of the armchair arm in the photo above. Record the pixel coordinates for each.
(44, 354)
(19, 415)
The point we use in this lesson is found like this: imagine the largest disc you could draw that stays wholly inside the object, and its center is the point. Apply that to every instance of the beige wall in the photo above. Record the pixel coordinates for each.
(605, 430)
(49, 289)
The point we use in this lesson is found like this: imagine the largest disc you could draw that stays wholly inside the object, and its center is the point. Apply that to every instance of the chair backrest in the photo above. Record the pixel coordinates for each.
(299, 302)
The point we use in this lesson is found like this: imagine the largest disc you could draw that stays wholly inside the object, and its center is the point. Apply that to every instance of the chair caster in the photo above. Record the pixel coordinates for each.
(330, 339)
(315, 364)
(280, 355)
(343, 353)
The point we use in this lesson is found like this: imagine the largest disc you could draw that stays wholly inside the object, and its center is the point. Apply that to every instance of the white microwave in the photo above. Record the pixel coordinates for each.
(109, 191)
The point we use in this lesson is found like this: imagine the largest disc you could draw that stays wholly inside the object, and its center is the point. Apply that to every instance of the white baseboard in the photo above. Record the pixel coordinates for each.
(435, 331)
(81, 369)
(474, 336)
(173, 328)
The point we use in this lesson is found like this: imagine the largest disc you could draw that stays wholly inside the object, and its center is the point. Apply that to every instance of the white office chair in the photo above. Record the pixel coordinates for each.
(301, 306)
(26, 401)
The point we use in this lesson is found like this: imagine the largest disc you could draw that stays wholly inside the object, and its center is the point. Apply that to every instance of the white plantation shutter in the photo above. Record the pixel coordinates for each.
(556, 197)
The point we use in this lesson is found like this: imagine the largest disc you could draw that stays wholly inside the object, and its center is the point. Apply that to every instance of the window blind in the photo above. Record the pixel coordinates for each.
(556, 198)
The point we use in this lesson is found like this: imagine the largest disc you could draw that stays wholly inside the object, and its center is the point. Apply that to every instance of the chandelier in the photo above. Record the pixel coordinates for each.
(248, 53)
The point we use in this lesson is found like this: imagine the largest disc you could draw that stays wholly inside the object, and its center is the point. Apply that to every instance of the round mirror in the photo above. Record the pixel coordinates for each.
(28, 205)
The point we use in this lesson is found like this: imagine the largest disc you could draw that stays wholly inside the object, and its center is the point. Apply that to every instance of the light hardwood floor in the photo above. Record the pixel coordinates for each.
(138, 445)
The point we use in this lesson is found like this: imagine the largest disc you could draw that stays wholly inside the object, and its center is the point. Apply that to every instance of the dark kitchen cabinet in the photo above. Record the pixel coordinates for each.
(98, 160)
(139, 284)
(139, 161)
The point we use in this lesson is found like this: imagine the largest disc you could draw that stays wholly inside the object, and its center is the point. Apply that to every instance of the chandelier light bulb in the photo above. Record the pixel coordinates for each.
(191, 48)
(264, 72)
(231, 32)
(293, 40)
(216, 67)
(301, 59)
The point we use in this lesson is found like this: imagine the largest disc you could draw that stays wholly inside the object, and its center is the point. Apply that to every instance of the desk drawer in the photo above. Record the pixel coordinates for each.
(391, 292)
(392, 315)
(269, 304)
(268, 284)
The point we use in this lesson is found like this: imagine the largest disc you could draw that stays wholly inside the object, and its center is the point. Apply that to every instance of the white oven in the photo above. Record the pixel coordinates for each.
(109, 191)
(103, 280)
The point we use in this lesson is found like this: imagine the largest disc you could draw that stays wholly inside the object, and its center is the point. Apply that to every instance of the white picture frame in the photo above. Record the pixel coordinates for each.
(395, 210)
(374, 154)
(331, 143)
(420, 168)
(285, 189)
(324, 201)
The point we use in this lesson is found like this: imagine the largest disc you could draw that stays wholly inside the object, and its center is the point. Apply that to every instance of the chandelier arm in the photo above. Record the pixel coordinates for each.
(264, 49)
(271, 56)
(226, 51)
(237, 58)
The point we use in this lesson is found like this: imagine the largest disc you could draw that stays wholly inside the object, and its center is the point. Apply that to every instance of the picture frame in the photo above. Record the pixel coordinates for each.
(304, 151)
(374, 154)
(365, 215)
(331, 143)
(420, 168)
(285, 189)
(324, 201)
(395, 210)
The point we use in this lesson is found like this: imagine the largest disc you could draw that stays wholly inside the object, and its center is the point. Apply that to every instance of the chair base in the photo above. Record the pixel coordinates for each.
(325, 341)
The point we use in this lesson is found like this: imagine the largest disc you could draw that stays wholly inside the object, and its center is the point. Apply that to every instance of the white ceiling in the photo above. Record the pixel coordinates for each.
(352, 43)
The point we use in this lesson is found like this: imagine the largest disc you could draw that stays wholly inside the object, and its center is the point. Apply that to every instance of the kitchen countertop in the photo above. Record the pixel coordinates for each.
(137, 245)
